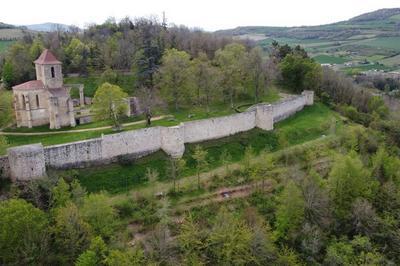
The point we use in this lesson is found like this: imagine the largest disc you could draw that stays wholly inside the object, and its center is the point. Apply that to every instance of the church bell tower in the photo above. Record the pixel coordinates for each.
(49, 70)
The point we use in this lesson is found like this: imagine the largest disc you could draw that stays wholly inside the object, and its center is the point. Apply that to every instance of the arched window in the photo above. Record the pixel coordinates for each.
(37, 101)
(53, 75)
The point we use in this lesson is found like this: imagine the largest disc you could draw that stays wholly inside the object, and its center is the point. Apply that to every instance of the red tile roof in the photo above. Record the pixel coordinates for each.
(30, 85)
(47, 58)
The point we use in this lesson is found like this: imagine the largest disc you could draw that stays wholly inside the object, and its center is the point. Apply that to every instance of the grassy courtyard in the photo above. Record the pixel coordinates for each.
(172, 118)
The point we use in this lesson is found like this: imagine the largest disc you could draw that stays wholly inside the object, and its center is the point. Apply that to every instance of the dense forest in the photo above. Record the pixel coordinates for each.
(122, 45)
(323, 192)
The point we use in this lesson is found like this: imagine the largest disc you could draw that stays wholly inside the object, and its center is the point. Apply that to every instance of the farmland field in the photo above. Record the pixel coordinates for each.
(329, 59)
(387, 42)
(11, 34)
(391, 61)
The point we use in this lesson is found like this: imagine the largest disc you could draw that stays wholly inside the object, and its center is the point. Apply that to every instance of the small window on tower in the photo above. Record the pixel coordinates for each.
(52, 72)
(37, 101)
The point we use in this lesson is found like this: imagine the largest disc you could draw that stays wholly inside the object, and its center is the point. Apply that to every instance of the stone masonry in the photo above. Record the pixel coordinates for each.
(30, 162)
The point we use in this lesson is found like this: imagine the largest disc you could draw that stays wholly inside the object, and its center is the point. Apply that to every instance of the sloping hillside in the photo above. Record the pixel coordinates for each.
(384, 22)
(10, 32)
(48, 27)
(367, 41)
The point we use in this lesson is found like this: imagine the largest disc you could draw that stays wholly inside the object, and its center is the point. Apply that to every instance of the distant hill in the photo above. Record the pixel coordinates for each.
(48, 27)
(384, 22)
(369, 41)
(381, 14)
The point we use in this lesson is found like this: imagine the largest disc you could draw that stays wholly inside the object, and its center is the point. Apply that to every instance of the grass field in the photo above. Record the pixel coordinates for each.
(329, 59)
(4, 45)
(387, 42)
(391, 61)
(311, 123)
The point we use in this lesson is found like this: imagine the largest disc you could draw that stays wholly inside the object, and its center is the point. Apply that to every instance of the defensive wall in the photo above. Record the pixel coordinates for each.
(31, 161)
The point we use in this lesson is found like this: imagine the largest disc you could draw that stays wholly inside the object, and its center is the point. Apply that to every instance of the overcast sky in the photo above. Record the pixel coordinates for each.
(206, 14)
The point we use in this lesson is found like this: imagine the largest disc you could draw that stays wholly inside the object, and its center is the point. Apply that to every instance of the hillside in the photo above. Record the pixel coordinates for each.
(372, 38)
(384, 22)
(47, 27)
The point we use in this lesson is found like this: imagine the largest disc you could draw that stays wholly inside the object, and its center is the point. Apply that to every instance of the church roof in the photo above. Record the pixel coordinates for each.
(47, 58)
(30, 85)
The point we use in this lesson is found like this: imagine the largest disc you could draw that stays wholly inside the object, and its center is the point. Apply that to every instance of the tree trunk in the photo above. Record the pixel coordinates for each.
(198, 180)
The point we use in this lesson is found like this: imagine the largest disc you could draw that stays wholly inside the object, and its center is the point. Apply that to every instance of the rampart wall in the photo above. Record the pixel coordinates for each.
(138, 143)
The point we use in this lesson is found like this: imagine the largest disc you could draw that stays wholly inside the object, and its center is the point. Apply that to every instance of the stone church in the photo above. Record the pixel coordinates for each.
(45, 100)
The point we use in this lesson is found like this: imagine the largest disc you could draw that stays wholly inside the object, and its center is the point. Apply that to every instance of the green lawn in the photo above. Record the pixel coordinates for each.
(311, 123)
(91, 83)
(4, 45)
(45, 128)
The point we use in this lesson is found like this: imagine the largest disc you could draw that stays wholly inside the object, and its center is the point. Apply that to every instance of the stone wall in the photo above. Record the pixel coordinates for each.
(134, 143)
(74, 155)
(25, 162)
(214, 128)
(4, 167)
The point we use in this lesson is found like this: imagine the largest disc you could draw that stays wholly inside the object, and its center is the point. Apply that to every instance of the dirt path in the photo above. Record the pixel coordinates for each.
(224, 194)
(79, 130)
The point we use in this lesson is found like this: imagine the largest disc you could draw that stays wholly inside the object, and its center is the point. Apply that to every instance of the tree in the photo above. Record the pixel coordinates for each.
(174, 76)
(77, 54)
(190, 238)
(300, 73)
(199, 156)
(316, 201)
(255, 69)
(61, 194)
(71, 233)
(377, 105)
(87, 258)
(231, 60)
(248, 155)
(110, 76)
(36, 49)
(6, 108)
(8, 75)
(109, 102)
(229, 242)
(98, 212)
(290, 212)
(125, 258)
(206, 79)
(94, 255)
(358, 251)
(226, 159)
(349, 180)
(385, 167)
(78, 193)
(176, 168)
(23, 233)
(19, 57)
